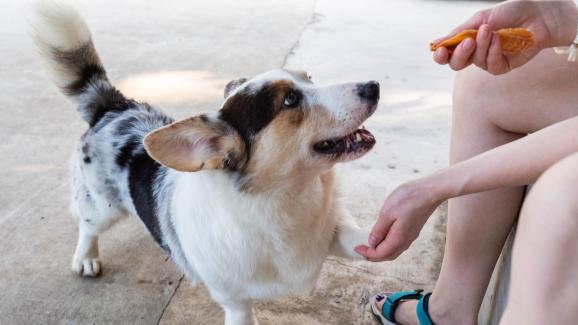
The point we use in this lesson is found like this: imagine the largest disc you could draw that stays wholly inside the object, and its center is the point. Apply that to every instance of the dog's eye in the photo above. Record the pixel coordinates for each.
(291, 100)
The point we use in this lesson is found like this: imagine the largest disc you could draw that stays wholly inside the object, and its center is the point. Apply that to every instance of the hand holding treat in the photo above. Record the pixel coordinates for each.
(508, 35)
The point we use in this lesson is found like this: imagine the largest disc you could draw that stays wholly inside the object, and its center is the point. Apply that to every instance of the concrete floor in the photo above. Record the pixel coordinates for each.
(178, 54)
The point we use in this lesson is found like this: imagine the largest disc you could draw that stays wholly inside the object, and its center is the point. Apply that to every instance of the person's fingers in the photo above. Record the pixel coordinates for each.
(388, 249)
(441, 56)
(361, 250)
(483, 41)
(496, 61)
(372, 254)
(462, 55)
(379, 230)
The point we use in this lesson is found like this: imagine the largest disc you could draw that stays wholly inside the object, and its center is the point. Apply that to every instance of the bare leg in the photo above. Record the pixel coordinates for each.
(545, 261)
(490, 111)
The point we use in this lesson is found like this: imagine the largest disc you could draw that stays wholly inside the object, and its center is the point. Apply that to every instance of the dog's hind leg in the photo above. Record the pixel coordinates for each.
(85, 261)
(93, 219)
(94, 214)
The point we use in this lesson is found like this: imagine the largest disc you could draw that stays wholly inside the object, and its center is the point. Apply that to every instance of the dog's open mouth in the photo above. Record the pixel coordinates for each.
(360, 141)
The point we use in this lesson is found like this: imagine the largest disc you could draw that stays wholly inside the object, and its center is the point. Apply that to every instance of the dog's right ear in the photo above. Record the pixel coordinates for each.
(196, 143)
(234, 84)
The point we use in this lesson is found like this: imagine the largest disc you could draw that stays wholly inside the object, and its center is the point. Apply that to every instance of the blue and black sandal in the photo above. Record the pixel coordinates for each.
(387, 312)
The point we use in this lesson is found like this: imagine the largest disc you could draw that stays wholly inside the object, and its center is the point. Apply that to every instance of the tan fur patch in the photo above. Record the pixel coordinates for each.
(282, 151)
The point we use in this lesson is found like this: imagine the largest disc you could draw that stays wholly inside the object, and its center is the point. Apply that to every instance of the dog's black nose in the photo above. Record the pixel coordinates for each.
(369, 90)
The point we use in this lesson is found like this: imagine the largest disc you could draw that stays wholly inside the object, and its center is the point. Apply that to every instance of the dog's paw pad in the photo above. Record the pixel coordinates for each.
(88, 267)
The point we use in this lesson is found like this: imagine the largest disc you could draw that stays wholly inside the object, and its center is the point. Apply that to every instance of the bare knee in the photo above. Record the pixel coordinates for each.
(477, 109)
(556, 188)
(473, 93)
(515, 102)
(486, 101)
(554, 199)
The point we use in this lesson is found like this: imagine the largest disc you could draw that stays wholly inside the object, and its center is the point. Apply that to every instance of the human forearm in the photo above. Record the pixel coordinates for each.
(517, 163)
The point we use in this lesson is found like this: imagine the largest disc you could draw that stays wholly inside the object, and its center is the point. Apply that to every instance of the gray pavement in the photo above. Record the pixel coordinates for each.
(178, 55)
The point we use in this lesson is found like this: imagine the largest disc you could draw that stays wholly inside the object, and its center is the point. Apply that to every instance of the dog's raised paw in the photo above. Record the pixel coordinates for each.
(87, 267)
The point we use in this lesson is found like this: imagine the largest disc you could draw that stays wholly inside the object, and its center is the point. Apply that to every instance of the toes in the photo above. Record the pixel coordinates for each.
(379, 300)
(88, 267)
(96, 266)
(91, 267)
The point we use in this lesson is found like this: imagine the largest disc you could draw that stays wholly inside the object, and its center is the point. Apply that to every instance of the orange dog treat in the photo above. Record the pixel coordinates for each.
(513, 40)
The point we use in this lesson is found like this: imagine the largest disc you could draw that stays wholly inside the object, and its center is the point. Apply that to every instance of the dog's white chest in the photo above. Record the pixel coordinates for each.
(247, 243)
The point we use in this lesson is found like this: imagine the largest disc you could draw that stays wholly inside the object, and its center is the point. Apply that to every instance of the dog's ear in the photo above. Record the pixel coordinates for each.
(233, 84)
(196, 143)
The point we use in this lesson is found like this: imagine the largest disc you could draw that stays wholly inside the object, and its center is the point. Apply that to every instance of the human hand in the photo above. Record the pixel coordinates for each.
(552, 22)
(402, 217)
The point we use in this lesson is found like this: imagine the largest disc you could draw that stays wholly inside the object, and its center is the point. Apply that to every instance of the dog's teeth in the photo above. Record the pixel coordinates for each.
(358, 137)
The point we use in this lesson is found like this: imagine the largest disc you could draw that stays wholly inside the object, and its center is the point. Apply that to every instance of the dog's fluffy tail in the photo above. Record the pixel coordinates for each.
(66, 48)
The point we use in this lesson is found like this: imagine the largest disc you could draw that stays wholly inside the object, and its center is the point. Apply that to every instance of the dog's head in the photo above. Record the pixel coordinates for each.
(273, 126)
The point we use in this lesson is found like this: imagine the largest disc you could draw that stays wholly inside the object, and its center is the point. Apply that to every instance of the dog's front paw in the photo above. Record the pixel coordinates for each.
(87, 267)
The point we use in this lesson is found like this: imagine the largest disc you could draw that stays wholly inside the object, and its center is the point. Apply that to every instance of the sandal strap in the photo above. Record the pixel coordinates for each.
(392, 301)
(423, 310)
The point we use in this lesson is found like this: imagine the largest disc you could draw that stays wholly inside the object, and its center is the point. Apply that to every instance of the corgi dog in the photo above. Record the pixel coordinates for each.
(243, 199)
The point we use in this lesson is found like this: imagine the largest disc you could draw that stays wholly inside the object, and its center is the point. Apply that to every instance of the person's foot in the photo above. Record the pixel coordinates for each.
(405, 313)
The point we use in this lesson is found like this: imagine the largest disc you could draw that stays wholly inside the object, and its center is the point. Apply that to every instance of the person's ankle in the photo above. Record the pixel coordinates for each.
(446, 314)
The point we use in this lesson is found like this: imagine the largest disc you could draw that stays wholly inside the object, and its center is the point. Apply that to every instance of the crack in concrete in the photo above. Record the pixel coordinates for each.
(312, 20)
(170, 299)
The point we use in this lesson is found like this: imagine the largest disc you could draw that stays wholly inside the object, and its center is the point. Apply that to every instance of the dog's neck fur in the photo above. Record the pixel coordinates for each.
(224, 189)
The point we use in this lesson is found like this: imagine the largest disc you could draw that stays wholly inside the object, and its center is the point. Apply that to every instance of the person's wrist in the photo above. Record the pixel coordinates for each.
(561, 19)
(435, 188)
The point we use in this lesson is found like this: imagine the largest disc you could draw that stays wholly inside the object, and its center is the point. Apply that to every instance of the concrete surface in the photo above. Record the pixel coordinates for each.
(179, 54)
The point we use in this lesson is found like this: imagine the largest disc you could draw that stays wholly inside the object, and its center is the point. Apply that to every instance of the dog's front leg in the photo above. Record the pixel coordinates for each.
(347, 236)
(239, 313)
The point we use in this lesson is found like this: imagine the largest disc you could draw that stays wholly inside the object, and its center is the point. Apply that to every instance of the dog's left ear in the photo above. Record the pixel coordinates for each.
(196, 143)
(234, 84)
